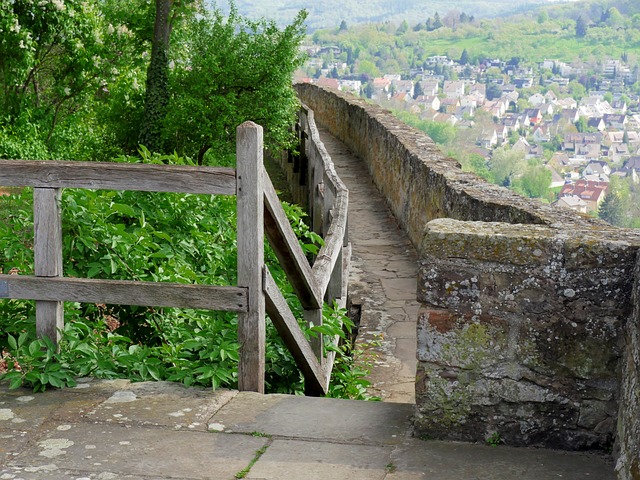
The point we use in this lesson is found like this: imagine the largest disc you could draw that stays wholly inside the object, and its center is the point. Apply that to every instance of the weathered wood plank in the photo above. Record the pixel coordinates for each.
(334, 288)
(125, 292)
(47, 226)
(314, 317)
(250, 212)
(342, 303)
(330, 251)
(287, 248)
(118, 176)
(47, 250)
(316, 382)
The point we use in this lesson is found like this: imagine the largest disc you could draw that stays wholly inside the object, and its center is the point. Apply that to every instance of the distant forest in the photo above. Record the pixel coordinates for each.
(610, 29)
(330, 13)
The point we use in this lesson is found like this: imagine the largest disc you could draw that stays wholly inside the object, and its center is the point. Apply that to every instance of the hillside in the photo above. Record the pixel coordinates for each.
(547, 32)
(330, 13)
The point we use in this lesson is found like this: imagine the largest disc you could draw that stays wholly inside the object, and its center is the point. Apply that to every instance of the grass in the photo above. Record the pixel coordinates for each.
(243, 473)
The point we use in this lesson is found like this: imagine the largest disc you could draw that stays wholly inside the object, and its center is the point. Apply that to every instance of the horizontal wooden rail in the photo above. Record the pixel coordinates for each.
(121, 292)
(333, 244)
(118, 176)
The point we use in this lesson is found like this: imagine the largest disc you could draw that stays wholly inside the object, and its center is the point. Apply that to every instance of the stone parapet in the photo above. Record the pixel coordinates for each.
(521, 332)
(418, 181)
(529, 327)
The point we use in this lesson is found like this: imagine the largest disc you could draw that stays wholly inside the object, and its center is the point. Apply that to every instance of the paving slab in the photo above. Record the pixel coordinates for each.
(161, 404)
(19, 409)
(431, 460)
(319, 461)
(325, 419)
(296, 437)
(115, 450)
(403, 329)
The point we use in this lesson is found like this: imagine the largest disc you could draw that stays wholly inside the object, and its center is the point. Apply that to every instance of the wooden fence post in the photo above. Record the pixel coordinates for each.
(250, 212)
(47, 246)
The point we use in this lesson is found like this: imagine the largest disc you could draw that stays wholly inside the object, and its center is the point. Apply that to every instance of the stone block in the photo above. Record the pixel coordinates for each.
(512, 340)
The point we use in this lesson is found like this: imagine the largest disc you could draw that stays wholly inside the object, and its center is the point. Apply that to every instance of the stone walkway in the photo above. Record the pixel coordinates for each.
(384, 272)
(151, 431)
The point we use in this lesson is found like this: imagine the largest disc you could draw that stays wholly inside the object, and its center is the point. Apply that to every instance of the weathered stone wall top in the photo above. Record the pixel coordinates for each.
(520, 244)
(419, 182)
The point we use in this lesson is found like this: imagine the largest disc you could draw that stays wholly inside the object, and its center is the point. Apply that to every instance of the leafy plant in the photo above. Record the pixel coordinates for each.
(352, 363)
(36, 366)
(494, 439)
(155, 237)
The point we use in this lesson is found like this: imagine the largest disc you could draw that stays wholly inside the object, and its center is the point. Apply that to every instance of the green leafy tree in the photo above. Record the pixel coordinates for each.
(56, 59)
(582, 125)
(581, 27)
(505, 164)
(437, 23)
(611, 209)
(577, 90)
(234, 70)
(167, 13)
(534, 182)
(464, 57)
(614, 18)
(478, 165)
(543, 17)
(417, 90)
(493, 91)
(368, 90)
(367, 67)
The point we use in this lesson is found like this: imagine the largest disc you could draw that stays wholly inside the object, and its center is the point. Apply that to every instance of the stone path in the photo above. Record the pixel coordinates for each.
(154, 431)
(382, 281)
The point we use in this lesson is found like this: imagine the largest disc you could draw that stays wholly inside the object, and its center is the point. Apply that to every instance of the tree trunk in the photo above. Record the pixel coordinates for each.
(157, 88)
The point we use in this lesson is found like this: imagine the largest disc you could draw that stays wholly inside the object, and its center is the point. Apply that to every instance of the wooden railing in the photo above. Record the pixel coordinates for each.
(258, 211)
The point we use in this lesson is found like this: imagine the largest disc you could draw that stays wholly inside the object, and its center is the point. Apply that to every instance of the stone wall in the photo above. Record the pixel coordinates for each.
(419, 183)
(628, 465)
(521, 333)
(527, 308)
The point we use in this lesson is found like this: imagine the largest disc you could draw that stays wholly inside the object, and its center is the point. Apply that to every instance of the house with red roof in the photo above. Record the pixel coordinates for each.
(592, 193)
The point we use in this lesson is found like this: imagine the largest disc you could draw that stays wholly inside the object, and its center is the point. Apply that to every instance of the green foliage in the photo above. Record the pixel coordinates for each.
(494, 439)
(533, 182)
(154, 237)
(611, 209)
(581, 27)
(156, 99)
(56, 60)
(352, 363)
(477, 164)
(37, 366)
(234, 70)
(441, 133)
(20, 138)
(504, 166)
